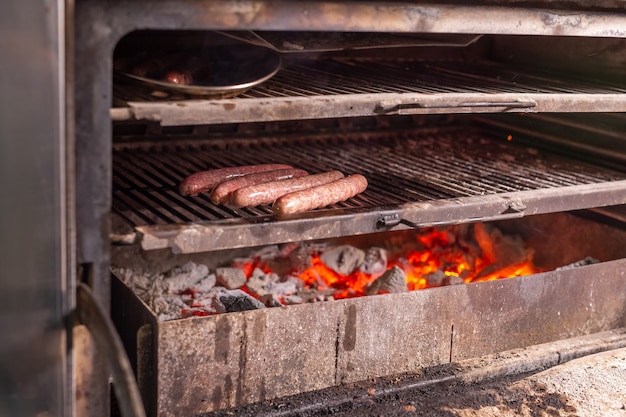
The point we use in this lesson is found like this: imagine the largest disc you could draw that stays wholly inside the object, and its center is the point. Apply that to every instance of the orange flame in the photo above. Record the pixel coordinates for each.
(443, 257)
(441, 253)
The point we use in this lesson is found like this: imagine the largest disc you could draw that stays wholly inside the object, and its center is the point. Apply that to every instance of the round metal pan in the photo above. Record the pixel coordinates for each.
(234, 69)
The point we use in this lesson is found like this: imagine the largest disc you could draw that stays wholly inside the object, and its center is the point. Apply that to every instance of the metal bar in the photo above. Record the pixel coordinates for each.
(319, 107)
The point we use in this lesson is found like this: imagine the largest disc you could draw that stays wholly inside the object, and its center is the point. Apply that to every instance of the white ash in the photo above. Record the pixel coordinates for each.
(583, 262)
(231, 278)
(343, 259)
(273, 300)
(375, 261)
(206, 284)
(260, 283)
(186, 276)
(288, 287)
(272, 291)
(392, 281)
(168, 294)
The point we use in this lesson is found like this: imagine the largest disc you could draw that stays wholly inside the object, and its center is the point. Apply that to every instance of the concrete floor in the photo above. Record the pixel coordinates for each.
(593, 385)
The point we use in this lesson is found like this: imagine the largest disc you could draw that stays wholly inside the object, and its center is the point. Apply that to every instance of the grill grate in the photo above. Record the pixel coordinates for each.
(402, 167)
(339, 77)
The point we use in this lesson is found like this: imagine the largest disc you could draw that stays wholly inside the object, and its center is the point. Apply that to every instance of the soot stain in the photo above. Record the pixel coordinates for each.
(349, 339)
(222, 340)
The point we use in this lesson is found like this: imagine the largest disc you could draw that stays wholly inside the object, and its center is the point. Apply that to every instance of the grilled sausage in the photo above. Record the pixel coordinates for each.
(178, 77)
(267, 193)
(320, 196)
(221, 194)
(188, 70)
(206, 180)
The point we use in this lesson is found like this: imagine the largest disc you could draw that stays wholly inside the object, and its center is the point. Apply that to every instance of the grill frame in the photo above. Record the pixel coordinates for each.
(99, 25)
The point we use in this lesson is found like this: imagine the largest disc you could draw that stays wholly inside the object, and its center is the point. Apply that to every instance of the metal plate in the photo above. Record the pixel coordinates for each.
(234, 70)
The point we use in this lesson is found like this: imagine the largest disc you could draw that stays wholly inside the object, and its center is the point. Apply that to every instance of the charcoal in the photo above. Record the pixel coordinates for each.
(292, 299)
(343, 259)
(311, 295)
(288, 287)
(229, 301)
(186, 276)
(452, 280)
(206, 284)
(273, 300)
(375, 261)
(260, 283)
(257, 273)
(435, 279)
(230, 278)
(392, 281)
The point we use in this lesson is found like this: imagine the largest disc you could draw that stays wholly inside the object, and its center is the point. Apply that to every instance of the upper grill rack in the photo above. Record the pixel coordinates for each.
(342, 87)
(416, 177)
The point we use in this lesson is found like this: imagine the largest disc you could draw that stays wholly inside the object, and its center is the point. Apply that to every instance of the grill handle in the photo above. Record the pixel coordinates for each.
(388, 221)
(412, 107)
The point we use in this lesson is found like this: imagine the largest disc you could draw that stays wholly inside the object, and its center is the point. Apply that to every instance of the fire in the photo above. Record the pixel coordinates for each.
(442, 252)
(320, 276)
(436, 257)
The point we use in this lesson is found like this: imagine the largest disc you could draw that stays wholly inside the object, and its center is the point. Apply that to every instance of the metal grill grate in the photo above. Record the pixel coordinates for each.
(354, 77)
(402, 168)
(337, 77)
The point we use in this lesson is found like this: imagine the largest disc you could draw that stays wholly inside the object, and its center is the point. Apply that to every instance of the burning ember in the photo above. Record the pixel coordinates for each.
(298, 273)
(436, 257)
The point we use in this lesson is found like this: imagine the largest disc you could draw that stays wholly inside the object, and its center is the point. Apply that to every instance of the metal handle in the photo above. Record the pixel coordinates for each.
(389, 107)
(386, 221)
(89, 313)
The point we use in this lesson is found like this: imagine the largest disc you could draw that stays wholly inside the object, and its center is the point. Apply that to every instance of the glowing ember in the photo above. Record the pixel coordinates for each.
(438, 257)
(309, 272)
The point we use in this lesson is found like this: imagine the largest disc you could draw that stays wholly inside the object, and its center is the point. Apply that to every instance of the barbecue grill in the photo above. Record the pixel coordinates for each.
(504, 113)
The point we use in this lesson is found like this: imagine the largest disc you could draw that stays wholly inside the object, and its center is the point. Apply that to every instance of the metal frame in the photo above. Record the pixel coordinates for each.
(99, 26)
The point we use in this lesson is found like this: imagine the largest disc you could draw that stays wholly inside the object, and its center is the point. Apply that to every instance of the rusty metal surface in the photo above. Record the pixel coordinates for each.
(358, 16)
(465, 381)
(204, 364)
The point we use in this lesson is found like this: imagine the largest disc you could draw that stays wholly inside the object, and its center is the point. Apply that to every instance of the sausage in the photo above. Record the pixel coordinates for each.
(320, 196)
(187, 71)
(178, 77)
(206, 180)
(221, 194)
(267, 193)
